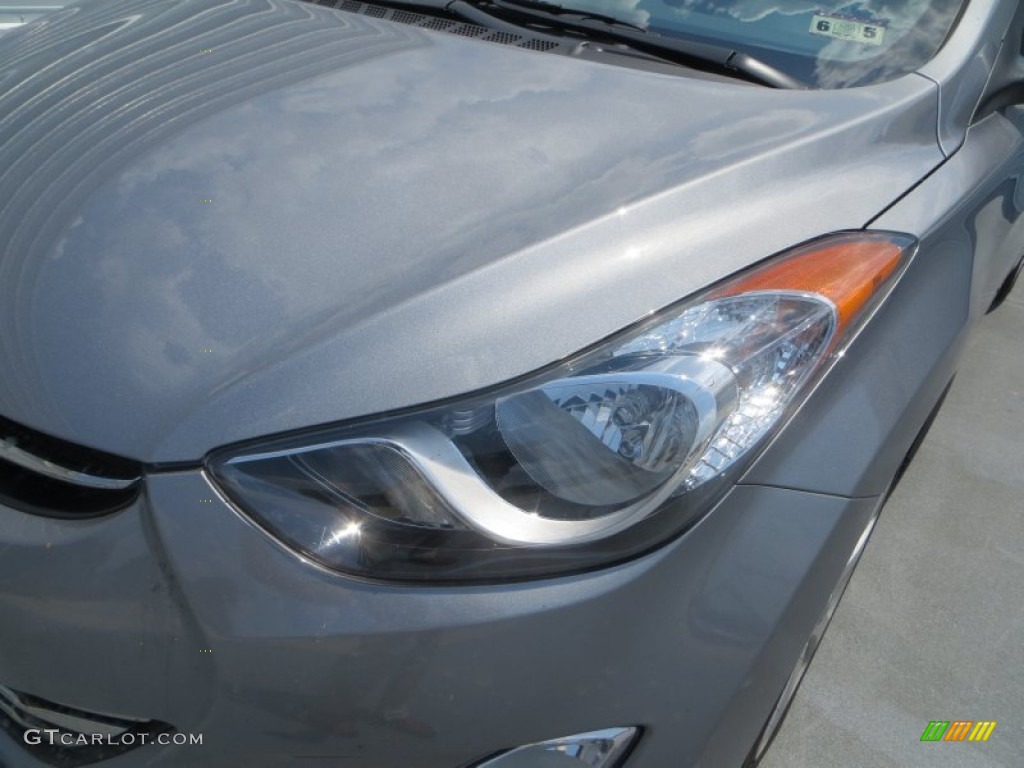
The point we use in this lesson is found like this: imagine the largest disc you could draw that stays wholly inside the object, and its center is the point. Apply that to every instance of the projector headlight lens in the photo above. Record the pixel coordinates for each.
(596, 461)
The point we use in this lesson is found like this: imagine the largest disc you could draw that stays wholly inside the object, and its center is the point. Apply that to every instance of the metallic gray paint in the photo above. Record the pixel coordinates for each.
(968, 217)
(305, 662)
(393, 211)
(15, 14)
(963, 67)
(493, 218)
(979, 194)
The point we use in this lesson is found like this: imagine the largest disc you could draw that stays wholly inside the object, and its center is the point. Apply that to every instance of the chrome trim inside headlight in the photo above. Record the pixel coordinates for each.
(600, 458)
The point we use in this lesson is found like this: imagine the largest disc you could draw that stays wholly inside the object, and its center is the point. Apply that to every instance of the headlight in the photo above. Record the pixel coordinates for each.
(597, 460)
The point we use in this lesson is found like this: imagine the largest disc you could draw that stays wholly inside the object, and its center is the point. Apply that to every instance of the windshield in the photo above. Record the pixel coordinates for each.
(829, 44)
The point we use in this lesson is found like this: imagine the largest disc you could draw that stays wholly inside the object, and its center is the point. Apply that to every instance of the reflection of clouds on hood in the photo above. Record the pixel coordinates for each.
(621, 9)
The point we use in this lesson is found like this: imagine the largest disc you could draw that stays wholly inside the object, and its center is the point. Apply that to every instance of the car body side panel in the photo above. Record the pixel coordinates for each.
(976, 198)
(992, 163)
(964, 65)
(1008, 75)
(968, 217)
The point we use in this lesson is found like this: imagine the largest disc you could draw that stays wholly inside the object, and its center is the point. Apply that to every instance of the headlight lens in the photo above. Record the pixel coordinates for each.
(594, 462)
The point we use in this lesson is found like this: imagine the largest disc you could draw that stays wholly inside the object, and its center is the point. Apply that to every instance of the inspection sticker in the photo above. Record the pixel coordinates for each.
(842, 28)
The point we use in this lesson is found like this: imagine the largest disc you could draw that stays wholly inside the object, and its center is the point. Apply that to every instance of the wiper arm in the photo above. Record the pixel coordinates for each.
(561, 12)
(619, 30)
(512, 15)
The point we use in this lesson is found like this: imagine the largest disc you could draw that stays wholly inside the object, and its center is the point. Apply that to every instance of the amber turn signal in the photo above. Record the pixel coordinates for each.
(849, 270)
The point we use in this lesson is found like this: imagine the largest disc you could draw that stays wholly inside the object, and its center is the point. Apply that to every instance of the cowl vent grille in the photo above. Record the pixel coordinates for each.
(452, 27)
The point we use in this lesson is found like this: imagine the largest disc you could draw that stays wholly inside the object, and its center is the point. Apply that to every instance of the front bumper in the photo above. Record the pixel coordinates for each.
(178, 610)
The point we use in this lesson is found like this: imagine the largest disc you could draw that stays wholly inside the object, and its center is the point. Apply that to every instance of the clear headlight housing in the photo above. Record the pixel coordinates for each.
(600, 459)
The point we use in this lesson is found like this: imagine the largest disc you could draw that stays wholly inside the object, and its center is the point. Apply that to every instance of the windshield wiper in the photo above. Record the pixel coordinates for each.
(516, 14)
(561, 12)
(618, 30)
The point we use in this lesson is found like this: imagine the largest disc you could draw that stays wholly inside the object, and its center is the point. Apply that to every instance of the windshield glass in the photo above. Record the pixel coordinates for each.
(829, 44)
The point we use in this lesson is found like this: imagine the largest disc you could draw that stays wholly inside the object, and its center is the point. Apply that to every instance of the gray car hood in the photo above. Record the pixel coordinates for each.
(223, 219)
